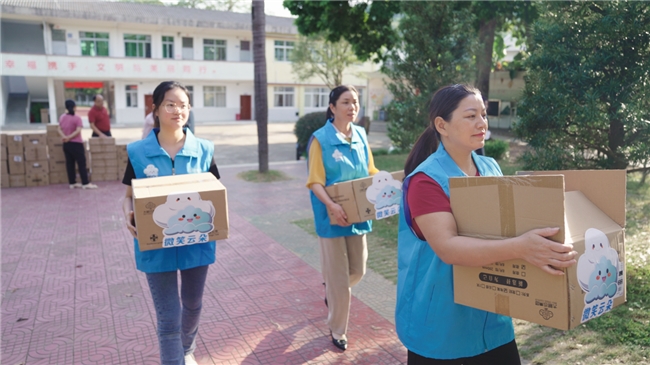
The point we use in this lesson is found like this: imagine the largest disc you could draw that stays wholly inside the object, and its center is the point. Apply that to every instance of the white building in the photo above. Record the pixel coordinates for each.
(55, 50)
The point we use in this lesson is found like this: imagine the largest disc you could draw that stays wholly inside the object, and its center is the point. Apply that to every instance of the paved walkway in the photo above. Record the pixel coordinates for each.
(72, 295)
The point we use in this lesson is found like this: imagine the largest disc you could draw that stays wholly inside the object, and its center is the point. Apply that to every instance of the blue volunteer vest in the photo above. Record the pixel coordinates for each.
(150, 160)
(343, 161)
(427, 320)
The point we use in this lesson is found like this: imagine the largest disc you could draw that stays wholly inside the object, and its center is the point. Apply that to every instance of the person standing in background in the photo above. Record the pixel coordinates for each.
(148, 125)
(73, 147)
(190, 121)
(98, 118)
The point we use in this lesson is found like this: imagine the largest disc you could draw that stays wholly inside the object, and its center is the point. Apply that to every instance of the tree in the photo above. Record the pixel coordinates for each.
(367, 26)
(261, 96)
(316, 56)
(436, 48)
(586, 103)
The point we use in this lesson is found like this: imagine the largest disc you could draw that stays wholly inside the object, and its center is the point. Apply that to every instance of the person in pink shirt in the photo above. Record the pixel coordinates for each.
(73, 147)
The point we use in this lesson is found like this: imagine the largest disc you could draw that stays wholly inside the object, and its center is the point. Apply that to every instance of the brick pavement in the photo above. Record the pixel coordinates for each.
(72, 295)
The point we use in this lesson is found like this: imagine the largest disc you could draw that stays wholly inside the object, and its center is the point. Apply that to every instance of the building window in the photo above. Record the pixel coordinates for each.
(190, 92)
(283, 96)
(214, 50)
(132, 96)
(214, 96)
(94, 44)
(137, 45)
(59, 46)
(168, 47)
(316, 97)
(283, 50)
(188, 48)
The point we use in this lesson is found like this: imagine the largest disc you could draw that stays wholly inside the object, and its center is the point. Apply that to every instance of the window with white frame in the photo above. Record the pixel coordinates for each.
(94, 44)
(316, 97)
(214, 50)
(137, 45)
(188, 48)
(283, 50)
(168, 47)
(283, 96)
(190, 92)
(214, 96)
(132, 96)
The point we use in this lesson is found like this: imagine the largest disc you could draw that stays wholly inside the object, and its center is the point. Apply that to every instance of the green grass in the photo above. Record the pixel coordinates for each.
(257, 177)
(620, 337)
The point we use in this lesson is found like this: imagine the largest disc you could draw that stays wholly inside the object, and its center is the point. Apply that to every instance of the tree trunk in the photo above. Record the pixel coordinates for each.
(616, 141)
(261, 97)
(486, 32)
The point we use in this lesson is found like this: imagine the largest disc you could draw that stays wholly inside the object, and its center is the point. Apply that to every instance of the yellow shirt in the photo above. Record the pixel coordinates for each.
(317, 169)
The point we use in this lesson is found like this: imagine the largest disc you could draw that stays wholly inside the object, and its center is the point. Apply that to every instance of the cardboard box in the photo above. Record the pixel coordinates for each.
(15, 144)
(41, 178)
(45, 116)
(37, 167)
(162, 205)
(374, 197)
(57, 166)
(34, 138)
(589, 208)
(5, 168)
(55, 153)
(16, 164)
(58, 177)
(16, 181)
(52, 132)
(4, 181)
(36, 152)
(3, 146)
(96, 141)
(97, 163)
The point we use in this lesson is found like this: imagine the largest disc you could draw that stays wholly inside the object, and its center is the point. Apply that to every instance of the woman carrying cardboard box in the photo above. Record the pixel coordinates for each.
(339, 152)
(172, 150)
(433, 328)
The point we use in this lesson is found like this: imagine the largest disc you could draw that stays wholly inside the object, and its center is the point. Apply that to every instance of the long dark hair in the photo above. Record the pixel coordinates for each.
(335, 94)
(443, 103)
(159, 96)
(69, 105)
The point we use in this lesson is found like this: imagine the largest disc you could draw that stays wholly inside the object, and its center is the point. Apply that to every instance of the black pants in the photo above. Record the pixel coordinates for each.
(75, 152)
(108, 134)
(507, 354)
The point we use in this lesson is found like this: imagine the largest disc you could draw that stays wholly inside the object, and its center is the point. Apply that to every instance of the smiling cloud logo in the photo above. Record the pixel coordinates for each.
(183, 216)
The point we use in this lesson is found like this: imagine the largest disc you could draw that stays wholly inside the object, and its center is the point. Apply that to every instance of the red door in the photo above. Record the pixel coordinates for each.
(148, 104)
(245, 107)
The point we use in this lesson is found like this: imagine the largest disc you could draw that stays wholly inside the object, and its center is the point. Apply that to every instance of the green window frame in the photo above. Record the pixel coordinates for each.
(168, 46)
(137, 45)
(94, 44)
(214, 49)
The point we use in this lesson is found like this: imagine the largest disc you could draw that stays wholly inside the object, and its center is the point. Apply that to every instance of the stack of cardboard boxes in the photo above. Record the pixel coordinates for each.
(103, 157)
(16, 160)
(122, 160)
(37, 170)
(58, 173)
(4, 172)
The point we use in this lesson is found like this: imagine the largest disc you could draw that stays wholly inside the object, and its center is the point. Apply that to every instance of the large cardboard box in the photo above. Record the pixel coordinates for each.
(16, 164)
(15, 144)
(52, 132)
(57, 165)
(374, 197)
(35, 152)
(589, 208)
(34, 138)
(16, 181)
(40, 178)
(3, 146)
(37, 167)
(179, 210)
(4, 181)
(57, 177)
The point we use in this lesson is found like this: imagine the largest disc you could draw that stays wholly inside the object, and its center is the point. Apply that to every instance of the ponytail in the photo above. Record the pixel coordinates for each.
(425, 145)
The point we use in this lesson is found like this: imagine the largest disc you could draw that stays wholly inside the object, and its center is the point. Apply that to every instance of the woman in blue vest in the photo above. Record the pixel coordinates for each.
(339, 152)
(170, 150)
(433, 328)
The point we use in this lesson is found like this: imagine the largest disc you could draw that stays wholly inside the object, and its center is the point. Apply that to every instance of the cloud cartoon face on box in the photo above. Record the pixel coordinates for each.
(385, 193)
(185, 219)
(600, 274)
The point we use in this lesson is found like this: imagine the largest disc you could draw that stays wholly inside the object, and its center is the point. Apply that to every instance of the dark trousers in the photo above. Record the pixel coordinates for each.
(75, 153)
(507, 354)
(108, 134)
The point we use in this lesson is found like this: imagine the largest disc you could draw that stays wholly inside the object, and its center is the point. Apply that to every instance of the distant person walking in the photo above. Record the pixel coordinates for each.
(73, 147)
(98, 118)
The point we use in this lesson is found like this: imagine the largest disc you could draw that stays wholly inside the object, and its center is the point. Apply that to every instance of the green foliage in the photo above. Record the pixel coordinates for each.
(316, 56)
(496, 148)
(306, 126)
(390, 162)
(366, 25)
(586, 103)
(437, 43)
